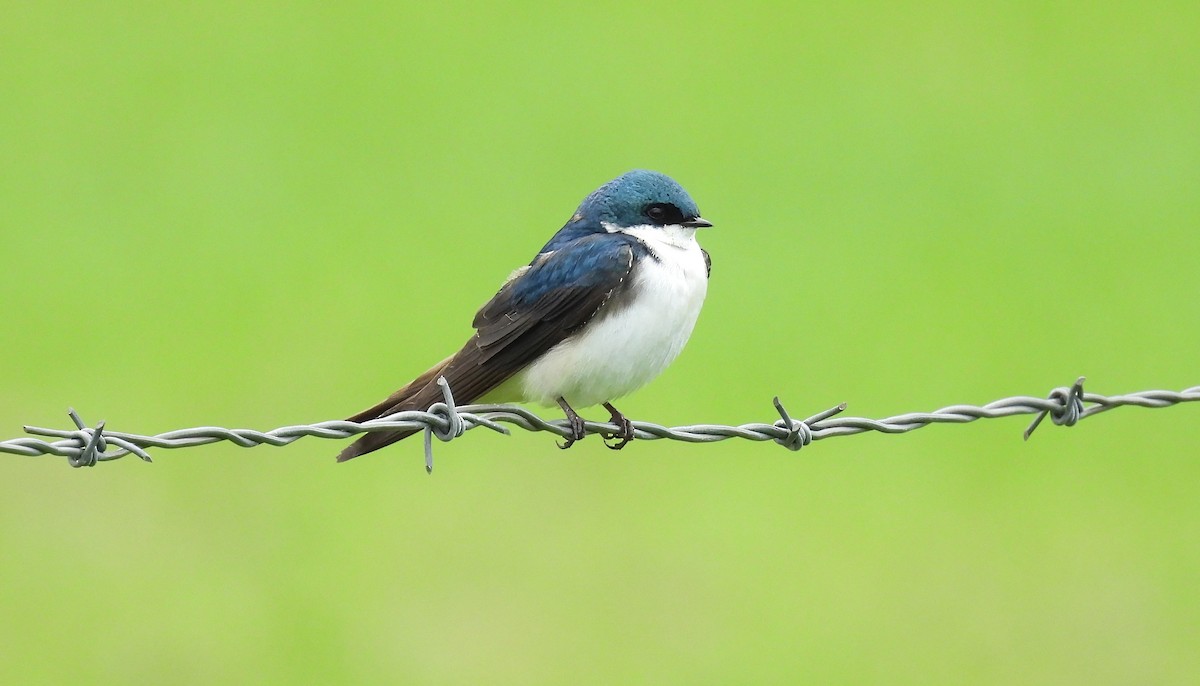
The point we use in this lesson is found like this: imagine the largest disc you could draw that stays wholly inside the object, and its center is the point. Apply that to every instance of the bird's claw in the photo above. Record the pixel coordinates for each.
(577, 432)
(626, 432)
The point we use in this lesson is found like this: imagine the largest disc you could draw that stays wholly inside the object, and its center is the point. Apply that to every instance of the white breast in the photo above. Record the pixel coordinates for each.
(620, 351)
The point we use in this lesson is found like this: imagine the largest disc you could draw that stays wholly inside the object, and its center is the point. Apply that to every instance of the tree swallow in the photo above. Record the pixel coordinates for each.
(601, 310)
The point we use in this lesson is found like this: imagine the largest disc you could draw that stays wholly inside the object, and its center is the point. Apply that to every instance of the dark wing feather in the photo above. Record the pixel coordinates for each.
(559, 293)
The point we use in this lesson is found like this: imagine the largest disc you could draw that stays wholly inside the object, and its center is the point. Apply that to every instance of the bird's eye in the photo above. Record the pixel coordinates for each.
(662, 213)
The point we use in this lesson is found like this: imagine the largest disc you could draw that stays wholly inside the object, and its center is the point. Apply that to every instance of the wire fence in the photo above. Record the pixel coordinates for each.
(86, 446)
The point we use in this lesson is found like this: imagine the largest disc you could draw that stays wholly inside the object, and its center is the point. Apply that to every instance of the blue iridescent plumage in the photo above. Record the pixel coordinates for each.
(620, 202)
(591, 260)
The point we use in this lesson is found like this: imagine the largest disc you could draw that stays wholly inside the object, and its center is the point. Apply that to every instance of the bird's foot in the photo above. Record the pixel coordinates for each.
(626, 433)
(576, 422)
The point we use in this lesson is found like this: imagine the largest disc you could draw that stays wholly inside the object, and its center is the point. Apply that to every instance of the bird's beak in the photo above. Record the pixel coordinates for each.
(697, 223)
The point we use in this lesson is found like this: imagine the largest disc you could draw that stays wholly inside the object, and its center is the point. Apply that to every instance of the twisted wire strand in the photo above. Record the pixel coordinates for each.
(85, 446)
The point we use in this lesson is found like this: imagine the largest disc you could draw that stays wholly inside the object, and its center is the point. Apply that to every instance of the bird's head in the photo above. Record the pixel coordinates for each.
(640, 198)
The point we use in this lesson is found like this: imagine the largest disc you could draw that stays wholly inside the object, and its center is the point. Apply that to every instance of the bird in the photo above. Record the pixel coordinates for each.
(601, 310)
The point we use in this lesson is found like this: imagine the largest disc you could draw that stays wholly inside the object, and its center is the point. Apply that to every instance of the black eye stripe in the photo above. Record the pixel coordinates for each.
(663, 213)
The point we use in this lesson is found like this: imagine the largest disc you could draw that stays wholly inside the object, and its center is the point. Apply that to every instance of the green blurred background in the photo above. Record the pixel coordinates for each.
(262, 215)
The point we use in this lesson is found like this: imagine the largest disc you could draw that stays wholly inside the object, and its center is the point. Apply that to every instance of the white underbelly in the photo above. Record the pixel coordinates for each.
(622, 350)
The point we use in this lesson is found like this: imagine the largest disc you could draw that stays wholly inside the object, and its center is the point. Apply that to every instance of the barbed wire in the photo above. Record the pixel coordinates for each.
(87, 446)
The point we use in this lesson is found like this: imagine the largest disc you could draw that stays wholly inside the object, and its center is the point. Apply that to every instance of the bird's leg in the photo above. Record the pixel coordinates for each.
(576, 422)
(626, 434)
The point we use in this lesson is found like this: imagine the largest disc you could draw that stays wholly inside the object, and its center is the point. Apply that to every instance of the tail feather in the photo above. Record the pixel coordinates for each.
(472, 372)
(419, 394)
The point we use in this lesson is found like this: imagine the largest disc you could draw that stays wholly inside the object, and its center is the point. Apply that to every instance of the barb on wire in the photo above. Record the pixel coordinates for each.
(1069, 411)
(85, 447)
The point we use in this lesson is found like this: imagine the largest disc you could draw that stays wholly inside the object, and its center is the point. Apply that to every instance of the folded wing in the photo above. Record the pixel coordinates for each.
(542, 305)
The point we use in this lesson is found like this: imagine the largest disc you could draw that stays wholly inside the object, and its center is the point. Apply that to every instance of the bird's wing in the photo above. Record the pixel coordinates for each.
(535, 310)
(539, 308)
